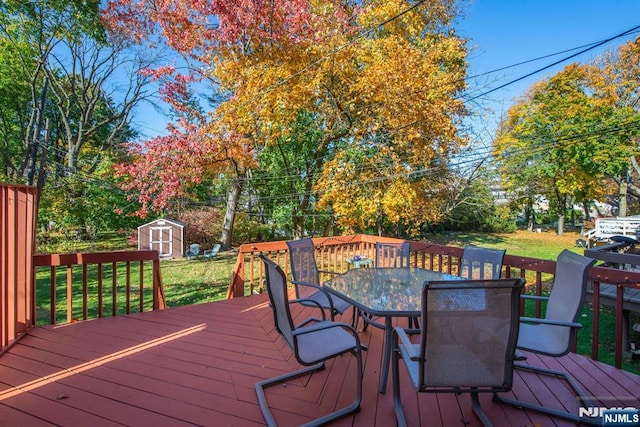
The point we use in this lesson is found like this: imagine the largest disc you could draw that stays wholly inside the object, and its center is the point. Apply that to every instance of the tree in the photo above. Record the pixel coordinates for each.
(379, 191)
(33, 32)
(283, 184)
(559, 139)
(620, 77)
(74, 89)
(357, 69)
(14, 108)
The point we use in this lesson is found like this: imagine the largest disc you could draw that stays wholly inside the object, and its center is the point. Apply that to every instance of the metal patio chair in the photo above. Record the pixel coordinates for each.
(311, 343)
(396, 255)
(481, 263)
(555, 334)
(306, 278)
(467, 344)
(389, 255)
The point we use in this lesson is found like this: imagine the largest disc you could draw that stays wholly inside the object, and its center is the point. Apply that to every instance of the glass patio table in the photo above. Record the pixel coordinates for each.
(387, 293)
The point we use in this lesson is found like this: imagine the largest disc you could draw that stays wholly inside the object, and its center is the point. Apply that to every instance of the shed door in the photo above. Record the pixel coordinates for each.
(161, 239)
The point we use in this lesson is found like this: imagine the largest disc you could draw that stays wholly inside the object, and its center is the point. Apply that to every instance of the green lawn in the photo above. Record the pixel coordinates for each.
(198, 280)
(544, 245)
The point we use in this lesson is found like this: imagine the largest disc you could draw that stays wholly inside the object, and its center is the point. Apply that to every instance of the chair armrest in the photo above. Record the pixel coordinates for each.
(550, 322)
(404, 339)
(301, 283)
(317, 287)
(371, 321)
(315, 303)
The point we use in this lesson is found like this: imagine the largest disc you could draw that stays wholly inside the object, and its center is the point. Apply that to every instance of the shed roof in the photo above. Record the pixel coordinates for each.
(162, 221)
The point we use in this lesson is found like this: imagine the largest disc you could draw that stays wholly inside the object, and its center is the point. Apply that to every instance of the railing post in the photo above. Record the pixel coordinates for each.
(158, 291)
(595, 326)
(237, 281)
(52, 301)
(619, 326)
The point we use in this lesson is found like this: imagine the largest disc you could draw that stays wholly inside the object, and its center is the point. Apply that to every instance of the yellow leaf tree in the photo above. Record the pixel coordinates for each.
(381, 76)
(385, 82)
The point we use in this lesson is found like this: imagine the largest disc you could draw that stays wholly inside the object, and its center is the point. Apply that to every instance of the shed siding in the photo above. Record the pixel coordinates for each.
(163, 235)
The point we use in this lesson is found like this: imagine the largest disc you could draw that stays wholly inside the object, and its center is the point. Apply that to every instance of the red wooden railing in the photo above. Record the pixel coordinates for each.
(112, 273)
(18, 291)
(332, 254)
(17, 230)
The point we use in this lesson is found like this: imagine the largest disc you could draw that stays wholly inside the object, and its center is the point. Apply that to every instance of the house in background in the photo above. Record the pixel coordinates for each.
(164, 235)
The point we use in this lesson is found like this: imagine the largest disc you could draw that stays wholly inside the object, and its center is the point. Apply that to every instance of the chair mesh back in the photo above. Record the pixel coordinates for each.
(470, 334)
(279, 298)
(569, 287)
(481, 263)
(393, 255)
(302, 255)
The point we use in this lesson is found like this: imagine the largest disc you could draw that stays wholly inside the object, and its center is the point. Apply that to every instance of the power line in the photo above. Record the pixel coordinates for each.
(556, 62)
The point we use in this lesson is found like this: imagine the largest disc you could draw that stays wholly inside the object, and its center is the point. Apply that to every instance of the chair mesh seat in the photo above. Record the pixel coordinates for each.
(323, 344)
(548, 339)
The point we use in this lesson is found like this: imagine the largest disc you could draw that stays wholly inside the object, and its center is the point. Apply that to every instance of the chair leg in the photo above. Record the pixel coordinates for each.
(355, 316)
(477, 409)
(577, 388)
(353, 408)
(401, 420)
(364, 321)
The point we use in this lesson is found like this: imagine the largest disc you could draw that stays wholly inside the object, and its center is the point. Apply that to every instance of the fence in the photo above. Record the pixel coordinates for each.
(99, 284)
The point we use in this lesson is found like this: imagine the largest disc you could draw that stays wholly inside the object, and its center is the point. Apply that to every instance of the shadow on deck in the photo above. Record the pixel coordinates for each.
(198, 365)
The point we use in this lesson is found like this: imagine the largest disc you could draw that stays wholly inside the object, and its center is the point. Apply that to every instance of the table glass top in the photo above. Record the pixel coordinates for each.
(385, 291)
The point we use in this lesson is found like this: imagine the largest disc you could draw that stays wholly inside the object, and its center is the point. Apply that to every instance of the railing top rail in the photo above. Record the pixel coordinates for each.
(619, 219)
(93, 258)
(26, 188)
(281, 245)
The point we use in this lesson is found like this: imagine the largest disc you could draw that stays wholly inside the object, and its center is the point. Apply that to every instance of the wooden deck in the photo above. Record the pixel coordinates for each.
(197, 365)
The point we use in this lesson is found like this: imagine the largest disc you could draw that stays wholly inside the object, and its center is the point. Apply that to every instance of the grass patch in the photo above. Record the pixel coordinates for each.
(544, 245)
(197, 281)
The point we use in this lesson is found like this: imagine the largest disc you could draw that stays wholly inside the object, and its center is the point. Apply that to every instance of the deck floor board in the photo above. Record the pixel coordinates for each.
(197, 365)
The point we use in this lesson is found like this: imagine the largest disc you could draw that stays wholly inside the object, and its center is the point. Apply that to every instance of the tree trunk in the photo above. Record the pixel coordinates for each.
(530, 214)
(298, 226)
(328, 229)
(37, 135)
(622, 204)
(561, 225)
(562, 208)
(230, 214)
(585, 208)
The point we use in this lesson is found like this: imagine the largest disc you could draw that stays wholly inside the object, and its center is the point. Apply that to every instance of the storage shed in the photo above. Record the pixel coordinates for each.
(164, 235)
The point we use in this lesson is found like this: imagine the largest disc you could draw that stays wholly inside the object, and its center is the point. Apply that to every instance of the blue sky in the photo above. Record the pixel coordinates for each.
(506, 32)
(502, 33)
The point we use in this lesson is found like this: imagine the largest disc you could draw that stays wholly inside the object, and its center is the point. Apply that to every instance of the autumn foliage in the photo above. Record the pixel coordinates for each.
(382, 78)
